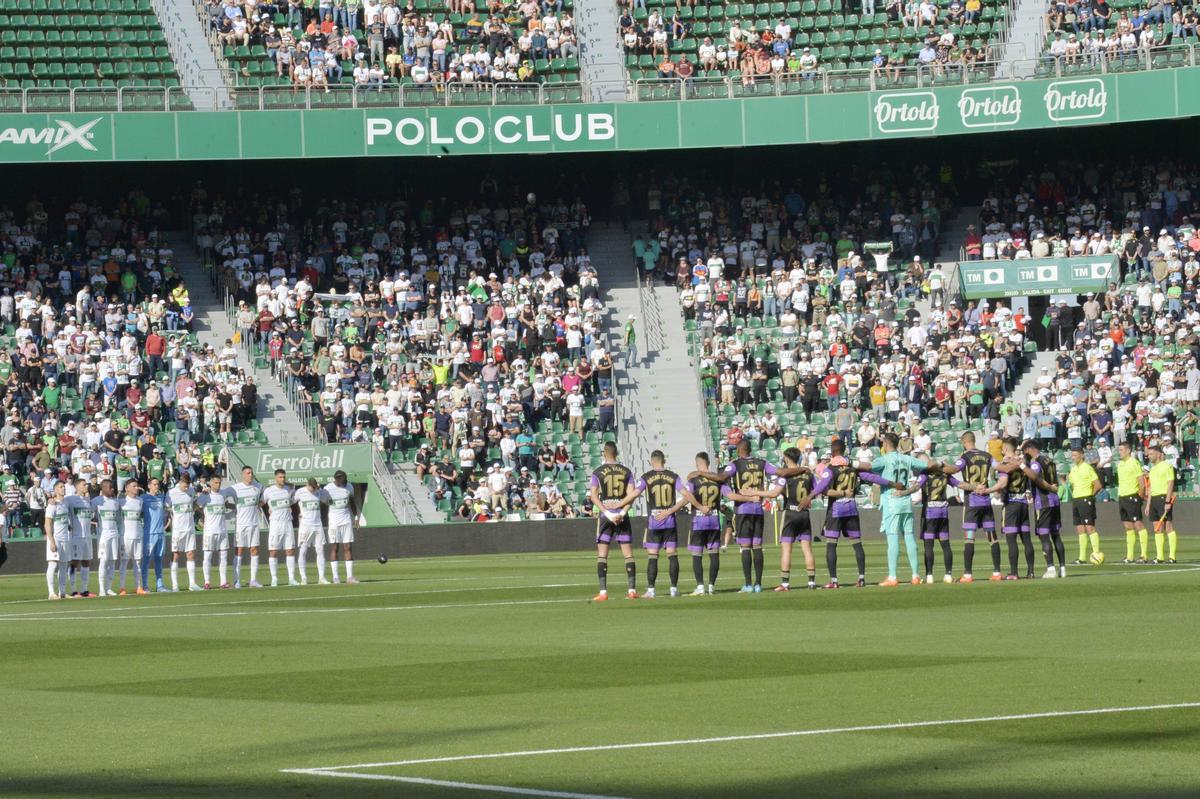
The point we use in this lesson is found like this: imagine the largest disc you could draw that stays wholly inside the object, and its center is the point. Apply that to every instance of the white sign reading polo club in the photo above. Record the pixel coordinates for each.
(990, 107)
(906, 112)
(479, 131)
(1074, 100)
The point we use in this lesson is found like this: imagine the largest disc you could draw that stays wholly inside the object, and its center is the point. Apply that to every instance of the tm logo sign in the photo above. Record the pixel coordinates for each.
(1038, 274)
(63, 135)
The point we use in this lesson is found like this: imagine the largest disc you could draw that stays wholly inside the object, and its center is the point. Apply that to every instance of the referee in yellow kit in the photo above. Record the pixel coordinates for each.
(1085, 484)
(1161, 502)
(1131, 498)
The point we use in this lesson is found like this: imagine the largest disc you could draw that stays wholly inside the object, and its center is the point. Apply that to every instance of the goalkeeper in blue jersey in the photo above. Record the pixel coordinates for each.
(896, 504)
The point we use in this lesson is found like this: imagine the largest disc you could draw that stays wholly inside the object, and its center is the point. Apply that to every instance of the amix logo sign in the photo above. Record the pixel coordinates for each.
(64, 134)
(906, 112)
(506, 129)
(1073, 100)
(991, 107)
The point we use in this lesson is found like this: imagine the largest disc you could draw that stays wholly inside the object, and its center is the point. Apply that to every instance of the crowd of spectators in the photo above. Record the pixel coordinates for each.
(328, 42)
(100, 376)
(1088, 31)
(457, 334)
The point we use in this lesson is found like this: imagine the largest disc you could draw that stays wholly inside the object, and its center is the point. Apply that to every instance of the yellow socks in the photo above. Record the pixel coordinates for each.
(1083, 541)
(1172, 544)
(1144, 541)
(1095, 537)
(1130, 543)
(1159, 538)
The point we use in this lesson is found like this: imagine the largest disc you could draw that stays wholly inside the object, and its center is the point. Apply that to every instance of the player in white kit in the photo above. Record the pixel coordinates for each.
(309, 498)
(81, 538)
(342, 510)
(248, 495)
(131, 534)
(277, 504)
(217, 504)
(182, 522)
(107, 508)
(58, 542)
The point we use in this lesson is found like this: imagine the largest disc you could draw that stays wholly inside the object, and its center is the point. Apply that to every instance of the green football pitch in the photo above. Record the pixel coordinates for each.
(495, 676)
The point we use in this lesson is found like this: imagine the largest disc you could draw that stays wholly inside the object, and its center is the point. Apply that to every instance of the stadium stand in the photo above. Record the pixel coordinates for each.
(794, 43)
(94, 47)
(388, 54)
(460, 335)
(1097, 36)
(101, 375)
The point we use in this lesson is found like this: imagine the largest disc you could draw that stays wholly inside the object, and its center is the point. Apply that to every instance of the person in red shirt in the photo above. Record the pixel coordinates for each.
(973, 244)
(156, 347)
(833, 387)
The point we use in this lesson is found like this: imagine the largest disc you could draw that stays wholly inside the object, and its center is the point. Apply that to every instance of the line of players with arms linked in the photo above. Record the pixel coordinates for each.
(130, 529)
(1027, 481)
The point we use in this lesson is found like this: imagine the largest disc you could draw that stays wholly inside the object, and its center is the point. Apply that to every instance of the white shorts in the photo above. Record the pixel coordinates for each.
(77, 548)
(280, 537)
(1191, 395)
(131, 546)
(248, 536)
(109, 546)
(341, 534)
(312, 536)
(183, 542)
(216, 542)
(63, 552)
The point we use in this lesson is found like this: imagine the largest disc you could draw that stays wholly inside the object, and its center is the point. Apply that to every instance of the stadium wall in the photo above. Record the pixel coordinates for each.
(603, 127)
(578, 535)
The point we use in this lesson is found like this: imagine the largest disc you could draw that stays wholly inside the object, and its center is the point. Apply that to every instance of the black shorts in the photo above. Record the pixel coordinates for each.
(748, 529)
(1131, 508)
(1157, 507)
(704, 540)
(1016, 518)
(839, 526)
(1083, 511)
(936, 527)
(661, 539)
(797, 526)
(977, 517)
(608, 532)
(1049, 520)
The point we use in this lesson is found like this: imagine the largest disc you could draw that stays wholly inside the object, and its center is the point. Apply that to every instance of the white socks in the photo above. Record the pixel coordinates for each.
(320, 564)
(254, 568)
(291, 567)
(223, 568)
(191, 569)
(52, 578)
(273, 568)
(333, 564)
(207, 566)
(349, 570)
(237, 569)
(174, 575)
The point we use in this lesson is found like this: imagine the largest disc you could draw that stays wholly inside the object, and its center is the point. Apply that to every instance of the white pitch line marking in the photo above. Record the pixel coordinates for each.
(443, 606)
(905, 725)
(469, 786)
(90, 612)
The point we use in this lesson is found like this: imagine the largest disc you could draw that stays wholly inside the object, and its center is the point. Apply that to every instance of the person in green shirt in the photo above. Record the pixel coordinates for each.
(124, 467)
(156, 467)
(1085, 484)
(52, 395)
(896, 504)
(1131, 494)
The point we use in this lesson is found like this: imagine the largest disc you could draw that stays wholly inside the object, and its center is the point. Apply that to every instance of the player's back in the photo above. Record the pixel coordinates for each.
(612, 481)
(661, 489)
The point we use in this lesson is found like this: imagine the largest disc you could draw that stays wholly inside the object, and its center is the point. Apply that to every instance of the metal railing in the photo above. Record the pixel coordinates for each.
(395, 491)
(391, 95)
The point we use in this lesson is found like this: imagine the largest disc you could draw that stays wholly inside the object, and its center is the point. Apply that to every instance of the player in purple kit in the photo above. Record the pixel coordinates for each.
(1017, 492)
(666, 494)
(743, 478)
(706, 525)
(841, 515)
(1047, 522)
(611, 491)
(935, 520)
(977, 468)
(798, 492)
